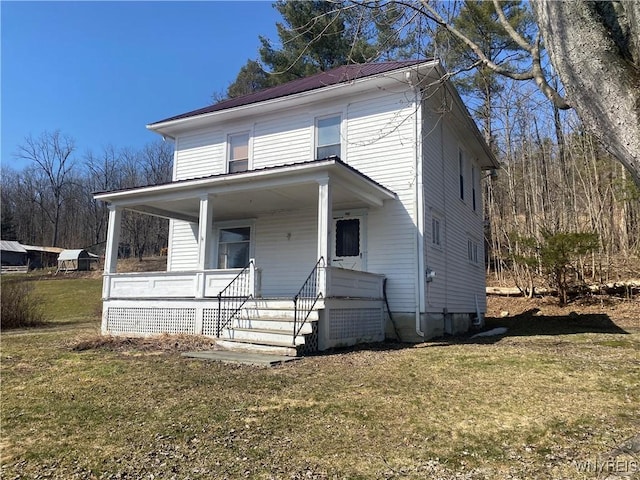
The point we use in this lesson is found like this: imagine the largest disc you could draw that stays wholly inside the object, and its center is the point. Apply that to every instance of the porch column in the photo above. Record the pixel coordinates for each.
(204, 242)
(113, 239)
(325, 217)
(111, 252)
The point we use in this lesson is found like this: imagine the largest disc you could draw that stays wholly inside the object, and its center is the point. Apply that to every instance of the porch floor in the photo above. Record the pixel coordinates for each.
(244, 358)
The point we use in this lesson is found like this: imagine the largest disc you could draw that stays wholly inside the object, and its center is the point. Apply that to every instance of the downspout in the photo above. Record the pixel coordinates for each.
(418, 207)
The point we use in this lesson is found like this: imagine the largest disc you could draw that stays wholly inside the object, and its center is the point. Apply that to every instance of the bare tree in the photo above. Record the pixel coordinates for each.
(51, 156)
(595, 48)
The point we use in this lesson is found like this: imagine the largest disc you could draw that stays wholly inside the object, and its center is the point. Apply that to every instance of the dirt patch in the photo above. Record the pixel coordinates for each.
(623, 313)
(159, 344)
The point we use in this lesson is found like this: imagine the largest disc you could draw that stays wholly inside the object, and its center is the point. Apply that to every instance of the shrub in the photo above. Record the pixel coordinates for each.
(558, 254)
(19, 306)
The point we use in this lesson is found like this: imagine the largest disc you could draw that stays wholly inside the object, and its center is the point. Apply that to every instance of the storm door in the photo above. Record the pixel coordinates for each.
(348, 242)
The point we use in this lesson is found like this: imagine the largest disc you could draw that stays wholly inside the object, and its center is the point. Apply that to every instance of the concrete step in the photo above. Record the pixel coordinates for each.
(261, 336)
(245, 357)
(269, 313)
(239, 345)
(284, 325)
(278, 303)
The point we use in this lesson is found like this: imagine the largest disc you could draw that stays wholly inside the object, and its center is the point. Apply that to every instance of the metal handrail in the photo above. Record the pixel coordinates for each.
(306, 299)
(238, 292)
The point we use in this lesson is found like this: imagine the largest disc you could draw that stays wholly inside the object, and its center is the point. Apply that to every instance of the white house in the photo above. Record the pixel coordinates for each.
(318, 213)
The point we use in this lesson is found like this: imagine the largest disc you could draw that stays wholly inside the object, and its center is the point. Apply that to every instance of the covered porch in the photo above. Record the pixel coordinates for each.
(254, 239)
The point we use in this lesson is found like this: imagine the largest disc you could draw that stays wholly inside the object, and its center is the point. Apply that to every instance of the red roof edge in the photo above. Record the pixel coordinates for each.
(343, 74)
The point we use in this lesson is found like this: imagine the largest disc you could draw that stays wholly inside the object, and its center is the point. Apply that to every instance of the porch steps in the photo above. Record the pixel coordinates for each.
(280, 325)
(266, 326)
(269, 337)
(238, 345)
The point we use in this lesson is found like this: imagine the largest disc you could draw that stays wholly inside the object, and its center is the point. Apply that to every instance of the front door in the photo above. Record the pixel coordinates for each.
(348, 242)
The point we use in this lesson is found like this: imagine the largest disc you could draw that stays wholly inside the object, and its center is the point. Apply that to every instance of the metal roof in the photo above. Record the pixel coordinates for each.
(35, 248)
(70, 254)
(271, 168)
(343, 74)
(11, 246)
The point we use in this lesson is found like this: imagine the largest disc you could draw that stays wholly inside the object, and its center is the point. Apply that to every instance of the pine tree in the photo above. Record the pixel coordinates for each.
(478, 21)
(316, 36)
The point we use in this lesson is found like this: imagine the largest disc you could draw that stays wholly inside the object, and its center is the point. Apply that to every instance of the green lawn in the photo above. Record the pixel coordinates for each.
(524, 406)
(70, 299)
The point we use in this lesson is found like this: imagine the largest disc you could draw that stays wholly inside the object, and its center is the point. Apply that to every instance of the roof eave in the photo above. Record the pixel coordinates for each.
(206, 183)
(493, 161)
(167, 128)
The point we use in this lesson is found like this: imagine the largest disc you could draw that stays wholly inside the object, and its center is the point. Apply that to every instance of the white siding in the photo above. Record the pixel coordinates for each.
(381, 144)
(458, 282)
(199, 154)
(183, 246)
(282, 140)
(285, 250)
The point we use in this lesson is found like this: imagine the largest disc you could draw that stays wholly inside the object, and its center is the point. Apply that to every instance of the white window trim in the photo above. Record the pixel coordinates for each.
(475, 186)
(233, 224)
(227, 147)
(314, 136)
(473, 251)
(462, 167)
(437, 218)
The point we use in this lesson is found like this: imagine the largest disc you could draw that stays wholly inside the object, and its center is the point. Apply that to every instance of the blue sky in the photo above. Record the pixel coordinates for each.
(100, 71)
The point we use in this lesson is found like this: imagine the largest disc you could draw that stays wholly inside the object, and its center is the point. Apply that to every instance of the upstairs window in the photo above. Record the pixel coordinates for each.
(328, 137)
(474, 182)
(238, 152)
(461, 172)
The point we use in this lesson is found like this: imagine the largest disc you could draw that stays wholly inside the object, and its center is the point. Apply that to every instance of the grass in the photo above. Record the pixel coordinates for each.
(525, 406)
(70, 300)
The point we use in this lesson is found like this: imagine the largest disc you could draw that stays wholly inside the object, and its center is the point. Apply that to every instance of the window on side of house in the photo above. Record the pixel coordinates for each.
(474, 188)
(472, 251)
(328, 137)
(461, 172)
(234, 247)
(435, 232)
(238, 152)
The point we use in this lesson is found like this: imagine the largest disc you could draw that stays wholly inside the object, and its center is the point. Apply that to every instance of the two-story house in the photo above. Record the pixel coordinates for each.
(322, 212)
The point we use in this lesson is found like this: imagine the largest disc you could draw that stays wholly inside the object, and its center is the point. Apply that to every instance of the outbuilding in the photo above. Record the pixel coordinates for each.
(42, 257)
(13, 257)
(75, 260)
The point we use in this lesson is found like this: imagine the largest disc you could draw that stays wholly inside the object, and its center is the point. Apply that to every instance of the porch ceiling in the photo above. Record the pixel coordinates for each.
(246, 194)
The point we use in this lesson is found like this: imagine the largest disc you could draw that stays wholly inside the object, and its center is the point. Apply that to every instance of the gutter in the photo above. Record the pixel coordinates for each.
(418, 207)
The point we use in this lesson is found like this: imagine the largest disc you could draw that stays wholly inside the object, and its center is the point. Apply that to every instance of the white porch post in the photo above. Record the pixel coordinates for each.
(113, 239)
(204, 241)
(111, 249)
(325, 217)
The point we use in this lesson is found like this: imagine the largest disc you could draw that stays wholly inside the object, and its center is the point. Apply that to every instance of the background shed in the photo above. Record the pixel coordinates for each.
(13, 257)
(71, 260)
(42, 257)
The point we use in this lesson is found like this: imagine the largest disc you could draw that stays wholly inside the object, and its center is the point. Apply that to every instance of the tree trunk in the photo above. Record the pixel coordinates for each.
(595, 48)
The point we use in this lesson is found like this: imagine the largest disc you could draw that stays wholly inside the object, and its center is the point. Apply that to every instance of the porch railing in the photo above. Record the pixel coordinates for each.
(306, 299)
(233, 297)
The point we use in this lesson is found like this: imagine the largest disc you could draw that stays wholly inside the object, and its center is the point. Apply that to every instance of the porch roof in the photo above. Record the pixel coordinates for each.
(242, 194)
